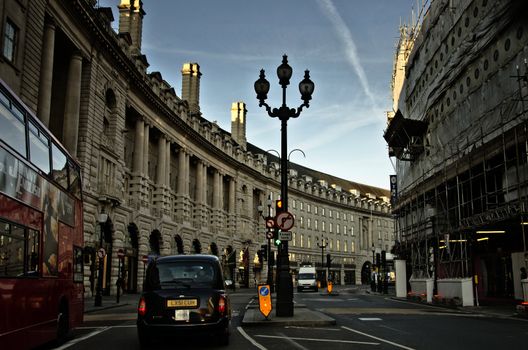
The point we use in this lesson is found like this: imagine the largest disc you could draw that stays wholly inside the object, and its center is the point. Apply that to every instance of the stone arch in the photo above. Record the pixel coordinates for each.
(179, 244)
(366, 272)
(155, 242)
(213, 249)
(197, 246)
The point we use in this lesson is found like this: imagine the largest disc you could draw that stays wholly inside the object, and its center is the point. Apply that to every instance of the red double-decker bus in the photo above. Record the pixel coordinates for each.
(41, 231)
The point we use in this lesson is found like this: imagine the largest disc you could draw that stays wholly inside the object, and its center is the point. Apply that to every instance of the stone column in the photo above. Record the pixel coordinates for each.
(146, 150)
(199, 183)
(167, 164)
(138, 147)
(181, 172)
(46, 73)
(216, 190)
(70, 131)
(162, 158)
(232, 195)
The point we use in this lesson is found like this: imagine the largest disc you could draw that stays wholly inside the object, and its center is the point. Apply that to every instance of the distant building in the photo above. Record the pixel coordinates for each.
(158, 177)
(459, 135)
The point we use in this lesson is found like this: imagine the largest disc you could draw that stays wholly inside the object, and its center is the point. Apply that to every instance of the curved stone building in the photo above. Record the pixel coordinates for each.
(159, 178)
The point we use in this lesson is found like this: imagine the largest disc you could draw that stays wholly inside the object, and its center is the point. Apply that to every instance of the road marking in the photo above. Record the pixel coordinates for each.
(369, 319)
(353, 299)
(323, 299)
(78, 340)
(110, 317)
(292, 342)
(380, 339)
(251, 340)
(316, 328)
(319, 340)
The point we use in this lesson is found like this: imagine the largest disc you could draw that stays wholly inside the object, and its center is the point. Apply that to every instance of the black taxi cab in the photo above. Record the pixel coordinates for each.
(184, 295)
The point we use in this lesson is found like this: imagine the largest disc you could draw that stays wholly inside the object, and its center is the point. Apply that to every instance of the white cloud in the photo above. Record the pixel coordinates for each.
(349, 45)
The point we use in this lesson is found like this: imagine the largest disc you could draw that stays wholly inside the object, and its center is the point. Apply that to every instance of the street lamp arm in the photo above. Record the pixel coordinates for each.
(294, 150)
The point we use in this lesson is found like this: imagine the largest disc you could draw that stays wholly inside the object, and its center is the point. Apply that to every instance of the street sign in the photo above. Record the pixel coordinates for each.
(120, 253)
(269, 234)
(270, 223)
(144, 259)
(285, 235)
(264, 296)
(101, 253)
(285, 220)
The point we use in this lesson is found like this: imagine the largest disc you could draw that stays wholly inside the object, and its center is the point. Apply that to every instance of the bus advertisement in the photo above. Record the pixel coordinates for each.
(41, 231)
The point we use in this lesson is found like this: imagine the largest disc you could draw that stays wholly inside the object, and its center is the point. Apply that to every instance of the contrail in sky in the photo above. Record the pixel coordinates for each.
(349, 46)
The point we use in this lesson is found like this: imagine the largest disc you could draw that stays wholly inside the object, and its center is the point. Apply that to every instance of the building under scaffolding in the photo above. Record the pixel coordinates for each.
(459, 134)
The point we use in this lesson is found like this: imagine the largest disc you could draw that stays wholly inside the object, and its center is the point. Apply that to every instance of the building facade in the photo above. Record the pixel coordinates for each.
(159, 178)
(459, 136)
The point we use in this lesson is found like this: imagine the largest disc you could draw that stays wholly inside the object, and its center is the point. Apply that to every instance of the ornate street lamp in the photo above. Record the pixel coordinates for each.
(306, 88)
(323, 245)
(260, 209)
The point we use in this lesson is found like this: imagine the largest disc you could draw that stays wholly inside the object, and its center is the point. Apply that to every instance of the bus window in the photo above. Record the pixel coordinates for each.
(75, 181)
(12, 130)
(60, 169)
(39, 148)
(11, 250)
(78, 265)
(32, 258)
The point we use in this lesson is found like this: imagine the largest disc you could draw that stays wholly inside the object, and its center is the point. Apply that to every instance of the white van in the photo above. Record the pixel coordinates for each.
(306, 279)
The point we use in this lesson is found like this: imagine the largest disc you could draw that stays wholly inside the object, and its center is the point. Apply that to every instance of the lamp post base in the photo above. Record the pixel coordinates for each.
(284, 295)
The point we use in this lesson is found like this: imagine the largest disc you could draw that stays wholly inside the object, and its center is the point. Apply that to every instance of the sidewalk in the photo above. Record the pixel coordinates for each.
(110, 302)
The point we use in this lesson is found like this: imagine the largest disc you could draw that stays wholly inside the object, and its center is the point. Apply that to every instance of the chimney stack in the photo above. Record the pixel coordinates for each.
(131, 20)
(238, 123)
(191, 85)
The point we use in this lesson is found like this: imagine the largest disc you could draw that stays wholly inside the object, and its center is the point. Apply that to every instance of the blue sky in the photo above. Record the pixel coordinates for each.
(348, 46)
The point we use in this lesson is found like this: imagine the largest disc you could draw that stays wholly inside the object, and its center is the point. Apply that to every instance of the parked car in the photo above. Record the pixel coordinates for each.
(184, 295)
(306, 279)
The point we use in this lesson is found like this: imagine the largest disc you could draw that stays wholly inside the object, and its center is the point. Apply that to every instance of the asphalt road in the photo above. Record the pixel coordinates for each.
(363, 322)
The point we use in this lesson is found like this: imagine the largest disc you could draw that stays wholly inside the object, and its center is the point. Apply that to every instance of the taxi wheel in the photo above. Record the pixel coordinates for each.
(63, 323)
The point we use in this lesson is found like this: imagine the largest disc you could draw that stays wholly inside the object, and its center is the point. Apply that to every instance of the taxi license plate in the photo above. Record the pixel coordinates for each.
(181, 315)
(182, 303)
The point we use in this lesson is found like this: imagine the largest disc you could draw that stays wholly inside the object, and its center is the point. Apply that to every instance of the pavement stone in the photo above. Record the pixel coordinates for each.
(302, 316)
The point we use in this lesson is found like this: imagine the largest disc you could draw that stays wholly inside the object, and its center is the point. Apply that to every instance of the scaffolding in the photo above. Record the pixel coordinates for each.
(440, 213)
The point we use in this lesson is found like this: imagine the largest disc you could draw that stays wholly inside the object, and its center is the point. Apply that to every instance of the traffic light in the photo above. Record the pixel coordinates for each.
(278, 206)
(276, 239)
(328, 260)
(259, 256)
(383, 258)
(264, 250)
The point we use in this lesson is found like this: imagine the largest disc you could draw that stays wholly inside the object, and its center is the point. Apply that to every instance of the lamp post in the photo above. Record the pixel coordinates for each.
(322, 245)
(98, 301)
(260, 209)
(306, 88)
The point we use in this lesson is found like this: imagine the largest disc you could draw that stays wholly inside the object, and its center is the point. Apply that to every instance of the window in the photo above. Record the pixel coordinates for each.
(337, 245)
(331, 227)
(10, 37)
(330, 213)
(352, 247)
(293, 239)
(308, 208)
(78, 274)
(323, 226)
(302, 240)
(301, 222)
(59, 170)
(309, 223)
(12, 130)
(345, 230)
(19, 250)
(331, 244)
(323, 211)
(352, 231)
(294, 204)
(316, 225)
(39, 148)
(309, 242)
(337, 215)
(301, 205)
(337, 229)
(315, 209)
(345, 246)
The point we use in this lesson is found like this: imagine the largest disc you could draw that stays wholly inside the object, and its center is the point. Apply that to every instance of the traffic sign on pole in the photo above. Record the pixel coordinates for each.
(264, 296)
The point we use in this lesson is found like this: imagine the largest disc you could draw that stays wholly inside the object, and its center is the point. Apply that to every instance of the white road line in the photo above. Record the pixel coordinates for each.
(251, 340)
(319, 340)
(380, 339)
(292, 342)
(316, 328)
(78, 340)
(369, 319)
